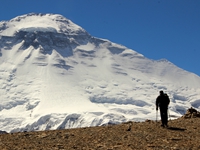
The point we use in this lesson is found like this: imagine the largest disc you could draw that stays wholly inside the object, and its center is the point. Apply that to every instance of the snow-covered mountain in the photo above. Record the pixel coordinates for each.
(53, 75)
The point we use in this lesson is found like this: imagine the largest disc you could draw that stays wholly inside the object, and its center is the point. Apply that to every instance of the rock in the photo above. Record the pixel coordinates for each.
(191, 113)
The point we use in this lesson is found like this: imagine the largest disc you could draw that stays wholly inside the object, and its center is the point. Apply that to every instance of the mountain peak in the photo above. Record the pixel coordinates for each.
(34, 22)
(55, 75)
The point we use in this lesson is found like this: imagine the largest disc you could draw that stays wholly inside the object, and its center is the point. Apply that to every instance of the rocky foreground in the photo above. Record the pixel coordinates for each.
(182, 134)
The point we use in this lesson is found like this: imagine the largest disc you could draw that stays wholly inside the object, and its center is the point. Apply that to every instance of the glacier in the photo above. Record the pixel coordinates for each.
(55, 75)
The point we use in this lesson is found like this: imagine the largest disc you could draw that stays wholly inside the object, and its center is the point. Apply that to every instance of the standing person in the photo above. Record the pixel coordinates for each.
(162, 101)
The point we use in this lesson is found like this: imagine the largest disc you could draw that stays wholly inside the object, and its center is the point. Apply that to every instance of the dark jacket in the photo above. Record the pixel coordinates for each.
(162, 101)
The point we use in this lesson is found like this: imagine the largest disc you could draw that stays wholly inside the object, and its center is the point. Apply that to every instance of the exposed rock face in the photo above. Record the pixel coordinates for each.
(191, 113)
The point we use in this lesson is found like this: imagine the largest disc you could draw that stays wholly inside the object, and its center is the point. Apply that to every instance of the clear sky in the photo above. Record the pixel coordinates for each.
(157, 29)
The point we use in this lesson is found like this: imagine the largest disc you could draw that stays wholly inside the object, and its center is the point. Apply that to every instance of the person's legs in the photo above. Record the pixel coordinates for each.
(164, 116)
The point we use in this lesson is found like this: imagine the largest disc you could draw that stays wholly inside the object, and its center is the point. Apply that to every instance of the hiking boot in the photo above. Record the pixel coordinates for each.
(166, 126)
(162, 125)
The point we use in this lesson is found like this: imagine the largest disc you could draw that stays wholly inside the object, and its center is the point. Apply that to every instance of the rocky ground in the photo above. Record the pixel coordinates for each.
(183, 134)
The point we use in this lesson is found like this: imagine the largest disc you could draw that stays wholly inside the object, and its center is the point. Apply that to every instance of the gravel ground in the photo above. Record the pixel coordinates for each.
(182, 134)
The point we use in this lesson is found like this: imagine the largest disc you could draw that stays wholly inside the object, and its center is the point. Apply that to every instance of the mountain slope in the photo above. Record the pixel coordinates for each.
(56, 75)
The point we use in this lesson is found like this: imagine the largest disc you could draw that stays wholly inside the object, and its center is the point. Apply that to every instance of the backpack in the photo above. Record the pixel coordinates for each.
(163, 100)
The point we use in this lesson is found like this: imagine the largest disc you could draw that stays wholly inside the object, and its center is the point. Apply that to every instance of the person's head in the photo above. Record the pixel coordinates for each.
(161, 92)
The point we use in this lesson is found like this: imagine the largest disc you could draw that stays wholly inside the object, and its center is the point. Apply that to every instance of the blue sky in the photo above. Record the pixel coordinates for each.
(157, 29)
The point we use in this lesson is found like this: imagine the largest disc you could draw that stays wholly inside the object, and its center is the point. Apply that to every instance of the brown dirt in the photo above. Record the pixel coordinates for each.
(183, 134)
